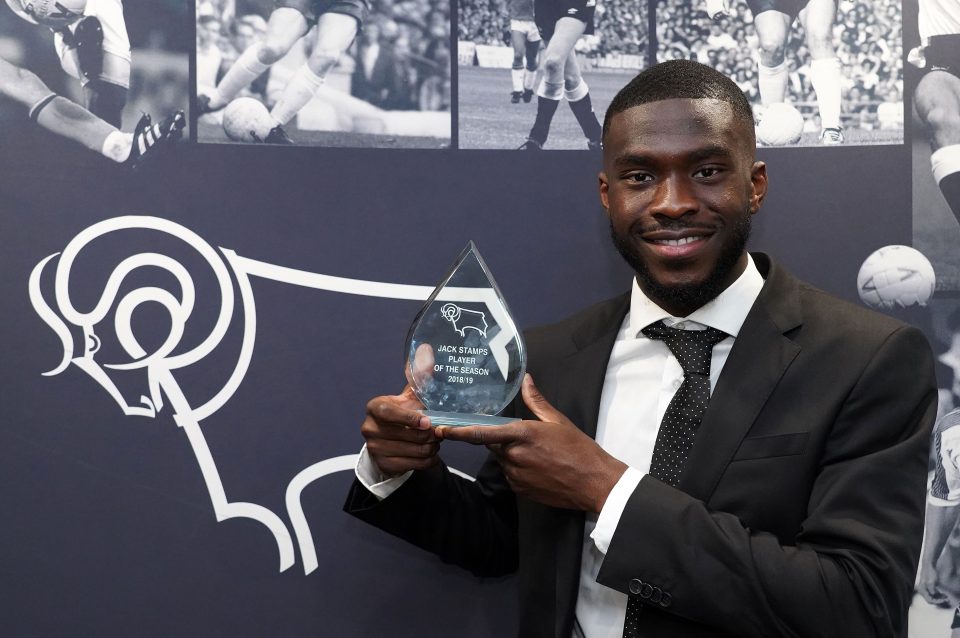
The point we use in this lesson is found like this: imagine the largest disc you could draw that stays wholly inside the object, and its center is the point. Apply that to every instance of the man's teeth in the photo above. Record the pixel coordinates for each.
(677, 242)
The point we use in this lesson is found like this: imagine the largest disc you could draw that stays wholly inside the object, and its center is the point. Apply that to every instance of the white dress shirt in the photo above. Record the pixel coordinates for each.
(642, 377)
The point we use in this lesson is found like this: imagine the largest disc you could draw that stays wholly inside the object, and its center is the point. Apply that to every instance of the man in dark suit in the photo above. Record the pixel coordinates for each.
(379, 76)
(796, 505)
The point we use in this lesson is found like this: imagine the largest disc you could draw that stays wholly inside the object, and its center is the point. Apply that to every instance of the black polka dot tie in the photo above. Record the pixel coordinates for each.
(693, 349)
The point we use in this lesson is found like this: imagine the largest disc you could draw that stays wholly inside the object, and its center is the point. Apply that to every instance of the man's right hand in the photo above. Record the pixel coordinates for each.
(399, 438)
(929, 586)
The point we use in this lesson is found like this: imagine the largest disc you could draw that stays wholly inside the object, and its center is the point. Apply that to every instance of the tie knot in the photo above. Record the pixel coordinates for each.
(692, 348)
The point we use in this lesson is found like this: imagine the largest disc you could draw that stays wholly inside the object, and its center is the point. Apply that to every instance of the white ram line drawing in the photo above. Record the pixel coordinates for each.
(463, 320)
(161, 364)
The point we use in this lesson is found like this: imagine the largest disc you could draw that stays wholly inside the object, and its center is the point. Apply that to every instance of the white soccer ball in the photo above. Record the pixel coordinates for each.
(56, 14)
(896, 276)
(246, 119)
(780, 124)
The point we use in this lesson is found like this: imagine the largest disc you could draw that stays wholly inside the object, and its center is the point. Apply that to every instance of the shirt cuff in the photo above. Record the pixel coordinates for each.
(373, 479)
(613, 508)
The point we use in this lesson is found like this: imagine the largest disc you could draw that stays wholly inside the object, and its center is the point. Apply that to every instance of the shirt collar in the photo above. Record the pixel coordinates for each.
(727, 312)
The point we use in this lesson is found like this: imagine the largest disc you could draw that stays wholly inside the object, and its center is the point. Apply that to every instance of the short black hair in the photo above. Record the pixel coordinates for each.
(680, 79)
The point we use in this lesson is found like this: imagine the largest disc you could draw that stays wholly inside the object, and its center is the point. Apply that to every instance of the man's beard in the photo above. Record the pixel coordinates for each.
(693, 295)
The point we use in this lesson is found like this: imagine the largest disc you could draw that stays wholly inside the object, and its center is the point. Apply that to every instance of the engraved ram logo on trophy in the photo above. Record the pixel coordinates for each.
(464, 319)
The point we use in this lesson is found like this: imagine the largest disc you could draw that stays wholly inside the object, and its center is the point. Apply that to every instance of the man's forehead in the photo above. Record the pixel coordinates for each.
(690, 122)
(677, 115)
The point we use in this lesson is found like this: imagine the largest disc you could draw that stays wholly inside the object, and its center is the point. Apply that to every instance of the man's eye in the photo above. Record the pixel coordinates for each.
(638, 178)
(707, 171)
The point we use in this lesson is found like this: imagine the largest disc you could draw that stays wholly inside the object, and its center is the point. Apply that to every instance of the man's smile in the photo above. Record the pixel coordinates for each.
(677, 244)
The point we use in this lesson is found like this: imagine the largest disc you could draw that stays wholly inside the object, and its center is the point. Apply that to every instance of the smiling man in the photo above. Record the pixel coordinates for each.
(721, 451)
(680, 184)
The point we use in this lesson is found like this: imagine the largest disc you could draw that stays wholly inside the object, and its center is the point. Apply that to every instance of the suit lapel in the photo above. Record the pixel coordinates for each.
(581, 374)
(760, 356)
(579, 385)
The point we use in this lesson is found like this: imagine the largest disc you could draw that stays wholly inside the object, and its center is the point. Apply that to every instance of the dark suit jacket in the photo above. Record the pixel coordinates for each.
(388, 86)
(800, 512)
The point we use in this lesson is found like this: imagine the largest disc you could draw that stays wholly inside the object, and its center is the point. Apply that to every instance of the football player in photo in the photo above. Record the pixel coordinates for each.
(943, 512)
(95, 49)
(773, 20)
(561, 23)
(525, 39)
(335, 22)
(937, 96)
(71, 121)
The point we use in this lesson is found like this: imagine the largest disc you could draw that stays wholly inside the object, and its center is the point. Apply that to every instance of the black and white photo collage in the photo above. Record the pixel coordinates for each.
(382, 73)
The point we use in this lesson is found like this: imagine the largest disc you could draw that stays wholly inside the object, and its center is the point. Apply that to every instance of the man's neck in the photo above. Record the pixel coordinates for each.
(679, 307)
(726, 312)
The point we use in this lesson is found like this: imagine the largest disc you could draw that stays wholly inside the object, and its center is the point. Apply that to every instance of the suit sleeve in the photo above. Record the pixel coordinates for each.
(466, 523)
(850, 568)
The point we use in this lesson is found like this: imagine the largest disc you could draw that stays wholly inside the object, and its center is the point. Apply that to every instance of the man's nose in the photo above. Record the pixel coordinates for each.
(674, 197)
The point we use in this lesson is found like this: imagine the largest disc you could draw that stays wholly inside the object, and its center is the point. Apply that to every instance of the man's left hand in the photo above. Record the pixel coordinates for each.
(550, 461)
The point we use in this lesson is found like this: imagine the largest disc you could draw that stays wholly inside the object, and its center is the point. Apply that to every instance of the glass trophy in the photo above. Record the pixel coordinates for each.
(465, 356)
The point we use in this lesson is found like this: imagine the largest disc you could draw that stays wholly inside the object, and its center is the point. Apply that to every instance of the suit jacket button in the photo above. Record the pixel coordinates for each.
(666, 600)
(657, 595)
(635, 586)
(647, 591)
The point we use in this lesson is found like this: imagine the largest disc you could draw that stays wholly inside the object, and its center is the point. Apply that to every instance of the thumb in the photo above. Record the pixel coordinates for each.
(408, 399)
(540, 407)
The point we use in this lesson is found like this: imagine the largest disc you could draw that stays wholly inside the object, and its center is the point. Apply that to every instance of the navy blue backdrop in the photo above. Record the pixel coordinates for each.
(110, 530)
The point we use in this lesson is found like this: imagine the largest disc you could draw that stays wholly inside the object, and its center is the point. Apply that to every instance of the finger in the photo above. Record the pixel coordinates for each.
(387, 411)
(381, 448)
(540, 407)
(395, 466)
(408, 398)
(483, 434)
(371, 430)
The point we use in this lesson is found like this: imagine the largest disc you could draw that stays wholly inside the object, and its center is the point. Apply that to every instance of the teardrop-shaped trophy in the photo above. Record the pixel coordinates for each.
(465, 356)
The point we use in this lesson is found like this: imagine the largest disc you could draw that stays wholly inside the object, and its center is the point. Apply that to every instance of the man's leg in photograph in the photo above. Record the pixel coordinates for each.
(285, 27)
(71, 121)
(578, 97)
(937, 99)
(554, 62)
(532, 50)
(335, 33)
(526, 51)
(773, 29)
(518, 39)
(817, 19)
(106, 99)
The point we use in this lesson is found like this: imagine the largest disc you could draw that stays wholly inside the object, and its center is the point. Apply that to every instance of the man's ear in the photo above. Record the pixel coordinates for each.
(604, 185)
(758, 189)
